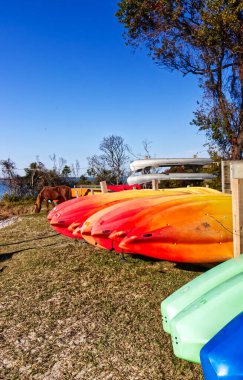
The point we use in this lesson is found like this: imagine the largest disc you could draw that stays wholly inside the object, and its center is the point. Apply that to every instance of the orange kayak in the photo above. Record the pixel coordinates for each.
(194, 229)
(98, 228)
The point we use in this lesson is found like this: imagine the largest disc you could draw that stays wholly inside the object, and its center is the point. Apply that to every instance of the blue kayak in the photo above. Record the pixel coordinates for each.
(222, 356)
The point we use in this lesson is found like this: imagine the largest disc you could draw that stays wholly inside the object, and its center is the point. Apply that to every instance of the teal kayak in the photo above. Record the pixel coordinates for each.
(196, 324)
(188, 293)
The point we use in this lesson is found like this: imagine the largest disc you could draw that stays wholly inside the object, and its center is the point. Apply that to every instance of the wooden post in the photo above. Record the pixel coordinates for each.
(103, 187)
(155, 184)
(225, 177)
(237, 206)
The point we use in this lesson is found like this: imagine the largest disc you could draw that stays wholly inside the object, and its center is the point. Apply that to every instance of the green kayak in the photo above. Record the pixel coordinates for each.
(196, 324)
(188, 293)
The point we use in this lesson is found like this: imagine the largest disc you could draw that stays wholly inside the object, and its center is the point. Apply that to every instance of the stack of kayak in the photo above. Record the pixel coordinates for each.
(205, 320)
(191, 225)
(141, 170)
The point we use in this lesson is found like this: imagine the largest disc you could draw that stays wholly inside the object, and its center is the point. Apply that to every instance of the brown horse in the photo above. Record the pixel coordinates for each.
(61, 193)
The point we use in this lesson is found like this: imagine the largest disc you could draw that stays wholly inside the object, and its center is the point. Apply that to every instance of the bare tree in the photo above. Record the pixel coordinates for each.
(98, 170)
(61, 164)
(112, 161)
(146, 146)
(53, 158)
(75, 169)
(58, 163)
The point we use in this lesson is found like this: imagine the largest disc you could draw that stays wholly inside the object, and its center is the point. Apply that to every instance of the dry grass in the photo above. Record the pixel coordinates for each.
(69, 311)
(8, 208)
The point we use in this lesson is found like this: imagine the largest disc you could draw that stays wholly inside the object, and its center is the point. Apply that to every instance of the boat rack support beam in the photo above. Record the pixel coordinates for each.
(103, 187)
(236, 169)
(155, 184)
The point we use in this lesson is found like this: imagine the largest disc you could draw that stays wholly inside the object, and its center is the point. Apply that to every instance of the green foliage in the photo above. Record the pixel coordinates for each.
(181, 169)
(66, 171)
(36, 177)
(83, 180)
(221, 130)
(8, 198)
(215, 168)
(99, 173)
(204, 38)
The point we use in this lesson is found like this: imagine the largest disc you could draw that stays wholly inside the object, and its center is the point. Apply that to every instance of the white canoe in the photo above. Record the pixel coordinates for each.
(160, 162)
(143, 178)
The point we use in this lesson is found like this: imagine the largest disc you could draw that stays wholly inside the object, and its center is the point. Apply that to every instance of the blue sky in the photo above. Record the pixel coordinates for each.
(67, 80)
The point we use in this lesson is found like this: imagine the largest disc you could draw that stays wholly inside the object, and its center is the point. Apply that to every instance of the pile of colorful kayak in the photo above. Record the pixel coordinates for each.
(190, 224)
(205, 320)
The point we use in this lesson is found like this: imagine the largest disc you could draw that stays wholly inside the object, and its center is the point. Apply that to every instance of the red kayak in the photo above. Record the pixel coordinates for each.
(80, 210)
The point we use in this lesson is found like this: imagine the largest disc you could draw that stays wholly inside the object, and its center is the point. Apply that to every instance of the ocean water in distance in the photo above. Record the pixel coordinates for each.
(3, 189)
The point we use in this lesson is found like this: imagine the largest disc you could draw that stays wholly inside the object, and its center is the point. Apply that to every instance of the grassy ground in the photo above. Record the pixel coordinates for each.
(69, 311)
(10, 208)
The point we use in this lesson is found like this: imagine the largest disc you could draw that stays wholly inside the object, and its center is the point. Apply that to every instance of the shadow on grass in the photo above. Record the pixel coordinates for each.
(183, 266)
(144, 258)
(8, 255)
(193, 267)
(25, 241)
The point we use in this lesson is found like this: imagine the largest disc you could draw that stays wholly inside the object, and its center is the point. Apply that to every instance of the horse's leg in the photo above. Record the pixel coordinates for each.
(53, 204)
(47, 206)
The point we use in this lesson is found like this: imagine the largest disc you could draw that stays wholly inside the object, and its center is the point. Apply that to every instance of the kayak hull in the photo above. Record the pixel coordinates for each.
(195, 325)
(192, 229)
(222, 356)
(80, 209)
(200, 285)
